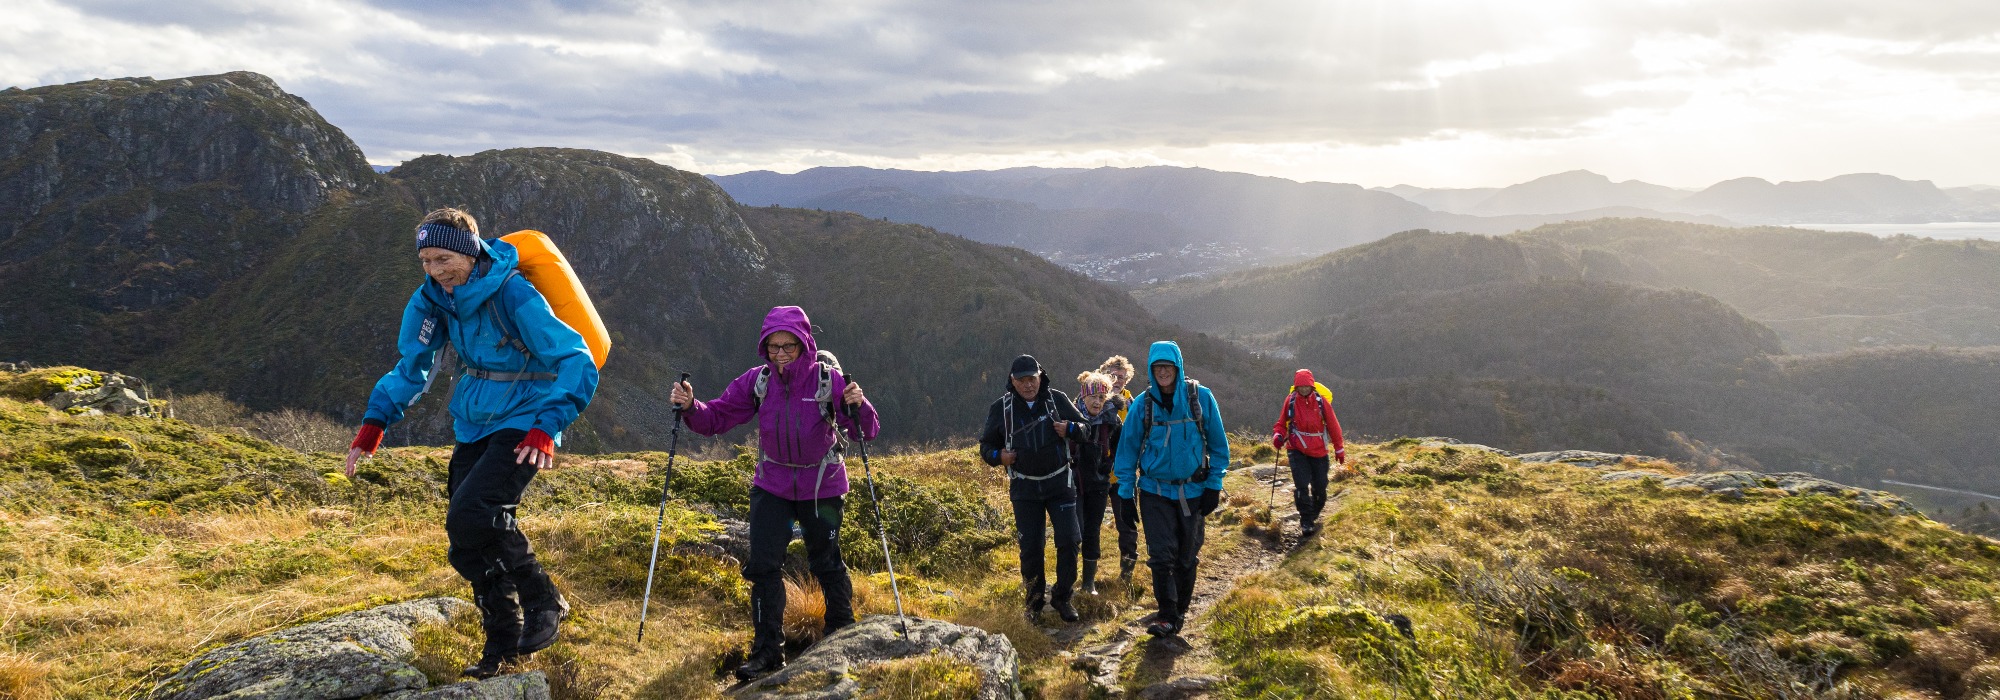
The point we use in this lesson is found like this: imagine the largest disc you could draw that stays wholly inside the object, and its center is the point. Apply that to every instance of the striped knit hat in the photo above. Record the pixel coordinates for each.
(440, 235)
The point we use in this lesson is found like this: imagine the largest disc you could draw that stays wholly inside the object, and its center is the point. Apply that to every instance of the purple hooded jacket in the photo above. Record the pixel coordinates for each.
(790, 430)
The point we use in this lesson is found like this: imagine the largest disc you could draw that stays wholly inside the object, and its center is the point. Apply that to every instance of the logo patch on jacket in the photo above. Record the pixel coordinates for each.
(424, 334)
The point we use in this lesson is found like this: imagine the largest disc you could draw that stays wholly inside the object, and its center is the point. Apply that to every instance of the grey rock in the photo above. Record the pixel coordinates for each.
(878, 639)
(116, 396)
(1178, 688)
(349, 656)
(1634, 475)
(1454, 444)
(519, 686)
(1734, 483)
(1580, 458)
(1102, 662)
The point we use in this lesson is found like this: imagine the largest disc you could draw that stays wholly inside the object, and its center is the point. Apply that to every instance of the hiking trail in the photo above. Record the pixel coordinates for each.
(1116, 654)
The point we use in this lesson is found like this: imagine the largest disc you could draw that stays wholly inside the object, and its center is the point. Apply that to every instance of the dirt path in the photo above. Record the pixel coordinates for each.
(1124, 661)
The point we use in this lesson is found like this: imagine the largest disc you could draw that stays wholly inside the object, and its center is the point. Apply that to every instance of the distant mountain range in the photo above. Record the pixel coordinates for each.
(1137, 224)
(1862, 198)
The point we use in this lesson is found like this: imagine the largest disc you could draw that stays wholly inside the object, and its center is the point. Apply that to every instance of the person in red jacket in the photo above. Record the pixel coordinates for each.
(1309, 431)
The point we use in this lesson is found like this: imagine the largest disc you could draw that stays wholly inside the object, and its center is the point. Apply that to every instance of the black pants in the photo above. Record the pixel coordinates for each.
(771, 521)
(1060, 513)
(1309, 485)
(487, 548)
(1090, 522)
(1173, 549)
(1125, 517)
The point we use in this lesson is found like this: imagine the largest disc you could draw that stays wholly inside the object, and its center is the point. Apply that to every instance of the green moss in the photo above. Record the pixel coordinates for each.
(40, 384)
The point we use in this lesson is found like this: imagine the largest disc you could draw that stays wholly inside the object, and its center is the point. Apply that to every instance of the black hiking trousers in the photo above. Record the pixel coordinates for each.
(1309, 485)
(771, 521)
(1029, 521)
(1090, 522)
(1173, 549)
(487, 547)
(1125, 518)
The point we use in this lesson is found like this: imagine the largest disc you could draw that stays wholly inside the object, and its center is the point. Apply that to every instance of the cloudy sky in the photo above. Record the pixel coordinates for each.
(1441, 93)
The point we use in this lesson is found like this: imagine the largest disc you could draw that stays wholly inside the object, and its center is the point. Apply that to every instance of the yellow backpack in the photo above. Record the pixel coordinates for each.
(550, 272)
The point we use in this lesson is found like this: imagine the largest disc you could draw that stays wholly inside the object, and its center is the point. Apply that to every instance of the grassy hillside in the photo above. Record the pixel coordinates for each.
(131, 544)
(1544, 581)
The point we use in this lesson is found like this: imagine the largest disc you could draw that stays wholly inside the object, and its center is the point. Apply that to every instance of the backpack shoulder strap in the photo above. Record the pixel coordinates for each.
(824, 394)
(758, 389)
(508, 336)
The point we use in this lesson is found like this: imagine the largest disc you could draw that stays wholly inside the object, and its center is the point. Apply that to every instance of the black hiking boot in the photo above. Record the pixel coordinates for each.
(1125, 570)
(1163, 627)
(761, 662)
(1090, 578)
(490, 666)
(1067, 611)
(500, 619)
(543, 610)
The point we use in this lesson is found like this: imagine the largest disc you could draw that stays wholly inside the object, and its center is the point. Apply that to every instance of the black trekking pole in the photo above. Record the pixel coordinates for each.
(880, 527)
(673, 447)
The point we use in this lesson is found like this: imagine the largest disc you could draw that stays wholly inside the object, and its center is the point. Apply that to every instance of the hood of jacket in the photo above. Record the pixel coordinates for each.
(501, 258)
(1169, 351)
(790, 319)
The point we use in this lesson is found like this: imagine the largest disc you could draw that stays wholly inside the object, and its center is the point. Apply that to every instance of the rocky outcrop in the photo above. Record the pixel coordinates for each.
(1736, 483)
(118, 396)
(355, 655)
(1582, 458)
(520, 686)
(827, 671)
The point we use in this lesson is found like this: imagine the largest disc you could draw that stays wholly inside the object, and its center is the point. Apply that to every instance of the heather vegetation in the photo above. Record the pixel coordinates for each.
(132, 543)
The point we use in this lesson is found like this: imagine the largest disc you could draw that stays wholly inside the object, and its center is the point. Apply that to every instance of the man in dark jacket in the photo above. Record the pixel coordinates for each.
(1028, 431)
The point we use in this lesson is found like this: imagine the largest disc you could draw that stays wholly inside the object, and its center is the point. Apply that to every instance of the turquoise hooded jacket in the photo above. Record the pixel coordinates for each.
(461, 318)
(1174, 447)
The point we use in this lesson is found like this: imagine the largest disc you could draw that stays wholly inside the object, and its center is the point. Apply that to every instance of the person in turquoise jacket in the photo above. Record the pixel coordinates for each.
(525, 376)
(1172, 456)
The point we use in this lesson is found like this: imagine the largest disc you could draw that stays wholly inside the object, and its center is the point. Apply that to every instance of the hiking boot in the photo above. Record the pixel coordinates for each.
(1067, 611)
(543, 610)
(1308, 529)
(1163, 628)
(1090, 578)
(762, 662)
(1125, 570)
(489, 666)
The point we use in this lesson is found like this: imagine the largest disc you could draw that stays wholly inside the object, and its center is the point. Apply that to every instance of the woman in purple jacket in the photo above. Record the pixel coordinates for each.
(800, 475)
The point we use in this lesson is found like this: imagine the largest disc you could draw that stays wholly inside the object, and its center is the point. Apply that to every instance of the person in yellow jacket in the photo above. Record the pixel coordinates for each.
(1124, 511)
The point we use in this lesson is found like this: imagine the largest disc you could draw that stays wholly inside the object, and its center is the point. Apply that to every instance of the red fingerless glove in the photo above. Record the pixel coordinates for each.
(540, 441)
(368, 439)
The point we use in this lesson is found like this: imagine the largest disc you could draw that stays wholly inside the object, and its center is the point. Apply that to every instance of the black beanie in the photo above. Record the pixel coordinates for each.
(440, 235)
(1025, 365)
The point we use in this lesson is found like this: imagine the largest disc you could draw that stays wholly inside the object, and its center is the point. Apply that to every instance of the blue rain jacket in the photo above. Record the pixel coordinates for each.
(481, 407)
(1174, 447)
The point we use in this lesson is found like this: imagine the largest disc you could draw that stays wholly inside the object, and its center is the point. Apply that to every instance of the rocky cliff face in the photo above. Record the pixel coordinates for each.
(122, 199)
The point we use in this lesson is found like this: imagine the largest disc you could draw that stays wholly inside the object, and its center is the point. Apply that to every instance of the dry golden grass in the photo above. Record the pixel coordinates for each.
(22, 678)
(805, 609)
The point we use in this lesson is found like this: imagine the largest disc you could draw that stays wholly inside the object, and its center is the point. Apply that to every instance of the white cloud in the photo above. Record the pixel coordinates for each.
(1435, 92)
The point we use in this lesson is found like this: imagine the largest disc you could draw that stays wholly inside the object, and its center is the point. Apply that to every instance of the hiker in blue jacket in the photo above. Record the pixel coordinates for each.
(1172, 455)
(526, 377)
